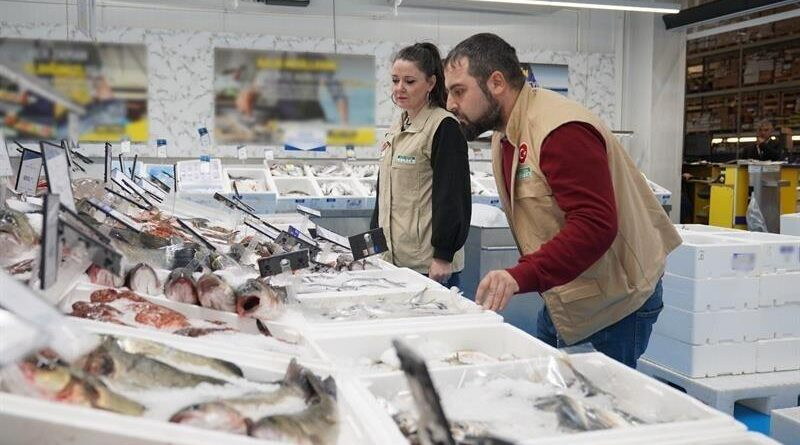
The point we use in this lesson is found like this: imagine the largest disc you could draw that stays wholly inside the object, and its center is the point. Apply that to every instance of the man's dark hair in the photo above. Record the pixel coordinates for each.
(486, 54)
(427, 59)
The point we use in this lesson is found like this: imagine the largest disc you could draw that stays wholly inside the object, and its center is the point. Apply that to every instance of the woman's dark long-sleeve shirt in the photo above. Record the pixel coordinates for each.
(451, 198)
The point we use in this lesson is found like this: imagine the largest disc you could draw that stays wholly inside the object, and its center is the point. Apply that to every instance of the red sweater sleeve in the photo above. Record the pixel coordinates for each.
(574, 160)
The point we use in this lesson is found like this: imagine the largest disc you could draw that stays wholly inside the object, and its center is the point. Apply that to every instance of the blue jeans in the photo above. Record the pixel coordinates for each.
(624, 341)
(455, 280)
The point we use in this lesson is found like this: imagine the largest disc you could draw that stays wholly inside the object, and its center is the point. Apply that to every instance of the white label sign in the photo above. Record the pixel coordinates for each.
(57, 171)
(5, 162)
(30, 168)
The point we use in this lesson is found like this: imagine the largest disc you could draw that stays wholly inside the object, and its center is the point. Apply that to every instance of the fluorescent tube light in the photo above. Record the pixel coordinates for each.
(664, 8)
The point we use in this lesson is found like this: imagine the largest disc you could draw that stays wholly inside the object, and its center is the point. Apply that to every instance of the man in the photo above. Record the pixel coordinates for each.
(593, 238)
(767, 146)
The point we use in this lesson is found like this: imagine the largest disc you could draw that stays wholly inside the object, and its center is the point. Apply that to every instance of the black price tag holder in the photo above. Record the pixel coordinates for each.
(231, 204)
(57, 229)
(433, 427)
(284, 262)
(115, 214)
(50, 248)
(107, 167)
(367, 244)
(186, 226)
(289, 240)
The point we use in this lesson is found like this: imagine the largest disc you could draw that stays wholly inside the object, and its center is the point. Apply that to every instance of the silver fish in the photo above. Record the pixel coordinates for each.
(176, 357)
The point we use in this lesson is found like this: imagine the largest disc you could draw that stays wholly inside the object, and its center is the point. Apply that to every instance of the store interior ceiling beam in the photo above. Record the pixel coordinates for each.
(718, 10)
(655, 6)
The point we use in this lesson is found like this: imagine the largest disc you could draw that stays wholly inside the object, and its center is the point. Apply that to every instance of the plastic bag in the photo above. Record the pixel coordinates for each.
(755, 219)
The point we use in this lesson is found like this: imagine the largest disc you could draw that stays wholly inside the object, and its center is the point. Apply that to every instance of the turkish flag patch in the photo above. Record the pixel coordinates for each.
(523, 153)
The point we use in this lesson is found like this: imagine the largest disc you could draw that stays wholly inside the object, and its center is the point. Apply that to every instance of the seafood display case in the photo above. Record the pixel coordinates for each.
(254, 187)
(585, 399)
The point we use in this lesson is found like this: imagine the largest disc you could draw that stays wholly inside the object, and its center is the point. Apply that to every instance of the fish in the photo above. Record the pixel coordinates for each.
(142, 278)
(175, 357)
(227, 414)
(16, 233)
(181, 287)
(316, 425)
(192, 331)
(256, 299)
(217, 416)
(103, 277)
(295, 193)
(469, 357)
(96, 311)
(138, 370)
(214, 293)
(54, 380)
(575, 415)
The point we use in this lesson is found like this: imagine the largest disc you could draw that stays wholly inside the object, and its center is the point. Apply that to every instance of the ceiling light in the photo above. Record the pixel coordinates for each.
(658, 7)
(732, 140)
(796, 138)
(748, 139)
(716, 141)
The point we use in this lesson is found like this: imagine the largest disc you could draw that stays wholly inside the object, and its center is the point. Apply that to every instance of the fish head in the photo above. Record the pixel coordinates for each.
(47, 376)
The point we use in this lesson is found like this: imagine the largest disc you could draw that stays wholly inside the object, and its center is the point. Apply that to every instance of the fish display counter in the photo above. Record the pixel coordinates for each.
(199, 340)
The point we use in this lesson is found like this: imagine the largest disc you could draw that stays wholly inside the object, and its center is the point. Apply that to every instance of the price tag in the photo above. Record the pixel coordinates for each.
(5, 161)
(366, 244)
(161, 148)
(284, 262)
(56, 169)
(125, 146)
(30, 168)
(241, 152)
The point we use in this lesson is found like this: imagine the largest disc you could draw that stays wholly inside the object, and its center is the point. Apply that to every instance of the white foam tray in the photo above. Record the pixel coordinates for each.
(702, 228)
(701, 361)
(700, 328)
(779, 289)
(779, 321)
(778, 252)
(712, 256)
(411, 283)
(782, 354)
(242, 324)
(785, 425)
(25, 420)
(348, 349)
(639, 391)
(735, 293)
(790, 224)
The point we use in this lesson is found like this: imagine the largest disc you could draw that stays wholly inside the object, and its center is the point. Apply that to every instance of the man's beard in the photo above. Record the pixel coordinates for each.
(490, 120)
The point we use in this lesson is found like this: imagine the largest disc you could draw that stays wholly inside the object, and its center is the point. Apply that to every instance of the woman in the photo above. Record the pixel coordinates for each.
(424, 201)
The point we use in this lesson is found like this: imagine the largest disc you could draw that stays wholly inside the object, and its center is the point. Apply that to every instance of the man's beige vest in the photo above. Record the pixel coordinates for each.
(621, 281)
(406, 185)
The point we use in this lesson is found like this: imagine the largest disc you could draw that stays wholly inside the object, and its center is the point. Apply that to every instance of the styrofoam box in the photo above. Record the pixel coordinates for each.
(785, 425)
(779, 289)
(782, 354)
(702, 361)
(712, 256)
(638, 393)
(779, 321)
(711, 294)
(357, 200)
(348, 348)
(778, 252)
(702, 228)
(700, 328)
(242, 324)
(30, 421)
(408, 281)
(790, 224)
(285, 184)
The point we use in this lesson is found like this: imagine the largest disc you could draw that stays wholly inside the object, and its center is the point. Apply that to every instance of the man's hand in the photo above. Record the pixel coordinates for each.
(440, 271)
(496, 290)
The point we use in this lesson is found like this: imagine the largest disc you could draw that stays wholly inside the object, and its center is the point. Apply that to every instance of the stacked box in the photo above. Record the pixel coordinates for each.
(731, 304)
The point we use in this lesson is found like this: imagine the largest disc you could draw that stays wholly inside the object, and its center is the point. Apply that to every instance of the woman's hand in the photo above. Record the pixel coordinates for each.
(440, 270)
